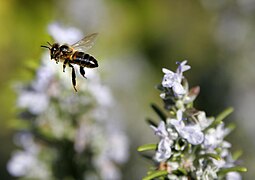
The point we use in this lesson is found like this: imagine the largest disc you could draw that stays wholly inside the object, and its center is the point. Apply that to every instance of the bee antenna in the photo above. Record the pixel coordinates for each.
(49, 44)
(46, 47)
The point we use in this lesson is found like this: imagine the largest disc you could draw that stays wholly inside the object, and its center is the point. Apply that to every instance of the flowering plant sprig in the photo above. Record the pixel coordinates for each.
(191, 145)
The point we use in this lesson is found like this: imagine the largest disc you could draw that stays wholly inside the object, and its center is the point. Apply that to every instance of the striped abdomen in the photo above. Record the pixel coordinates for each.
(84, 60)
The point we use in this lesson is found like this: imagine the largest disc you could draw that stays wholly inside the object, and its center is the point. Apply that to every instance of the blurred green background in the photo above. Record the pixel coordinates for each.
(137, 39)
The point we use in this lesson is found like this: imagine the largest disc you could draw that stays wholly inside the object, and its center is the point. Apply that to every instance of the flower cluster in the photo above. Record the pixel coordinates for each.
(191, 145)
(67, 135)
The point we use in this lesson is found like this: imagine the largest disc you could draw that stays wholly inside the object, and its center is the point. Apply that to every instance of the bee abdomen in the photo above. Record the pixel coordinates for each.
(84, 60)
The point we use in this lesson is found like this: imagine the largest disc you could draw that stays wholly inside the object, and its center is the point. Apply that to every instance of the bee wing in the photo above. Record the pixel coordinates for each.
(86, 43)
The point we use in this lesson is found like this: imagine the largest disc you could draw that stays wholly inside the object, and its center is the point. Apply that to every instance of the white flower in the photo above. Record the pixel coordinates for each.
(107, 169)
(20, 163)
(192, 133)
(203, 121)
(35, 102)
(177, 123)
(164, 147)
(119, 147)
(23, 163)
(173, 80)
(214, 137)
(210, 173)
(44, 74)
(233, 176)
(164, 151)
(64, 35)
(182, 67)
(101, 92)
(160, 130)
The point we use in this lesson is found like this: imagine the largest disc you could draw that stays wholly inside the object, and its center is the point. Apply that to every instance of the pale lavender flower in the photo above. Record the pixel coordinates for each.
(192, 133)
(233, 176)
(26, 141)
(35, 98)
(226, 160)
(182, 67)
(160, 130)
(209, 173)
(20, 163)
(35, 102)
(108, 170)
(63, 34)
(173, 80)
(119, 147)
(100, 91)
(164, 151)
(83, 136)
(164, 147)
(25, 163)
(44, 74)
(214, 137)
(203, 121)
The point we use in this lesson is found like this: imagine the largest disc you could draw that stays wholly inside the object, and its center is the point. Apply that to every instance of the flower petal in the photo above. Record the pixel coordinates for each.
(168, 80)
(179, 115)
(183, 67)
(178, 89)
(193, 134)
(167, 71)
(160, 130)
(164, 150)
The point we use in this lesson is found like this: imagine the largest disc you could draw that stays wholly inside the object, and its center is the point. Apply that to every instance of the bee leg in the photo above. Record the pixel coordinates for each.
(64, 65)
(82, 71)
(73, 77)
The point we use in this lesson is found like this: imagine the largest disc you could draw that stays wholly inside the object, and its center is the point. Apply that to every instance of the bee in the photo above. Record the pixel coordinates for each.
(74, 54)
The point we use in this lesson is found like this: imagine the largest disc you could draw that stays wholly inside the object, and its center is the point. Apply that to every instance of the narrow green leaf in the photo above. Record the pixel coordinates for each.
(148, 157)
(159, 112)
(18, 124)
(180, 171)
(155, 174)
(147, 147)
(183, 171)
(224, 114)
(214, 156)
(231, 127)
(151, 122)
(237, 154)
(221, 117)
(232, 169)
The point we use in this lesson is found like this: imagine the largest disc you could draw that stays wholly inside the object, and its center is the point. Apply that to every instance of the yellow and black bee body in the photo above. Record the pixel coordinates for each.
(84, 60)
(74, 54)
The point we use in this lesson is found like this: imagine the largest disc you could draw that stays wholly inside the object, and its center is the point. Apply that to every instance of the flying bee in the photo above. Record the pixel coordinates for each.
(74, 54)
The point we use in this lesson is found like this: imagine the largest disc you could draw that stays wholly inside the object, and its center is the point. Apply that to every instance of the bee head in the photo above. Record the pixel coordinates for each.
(53, 49)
